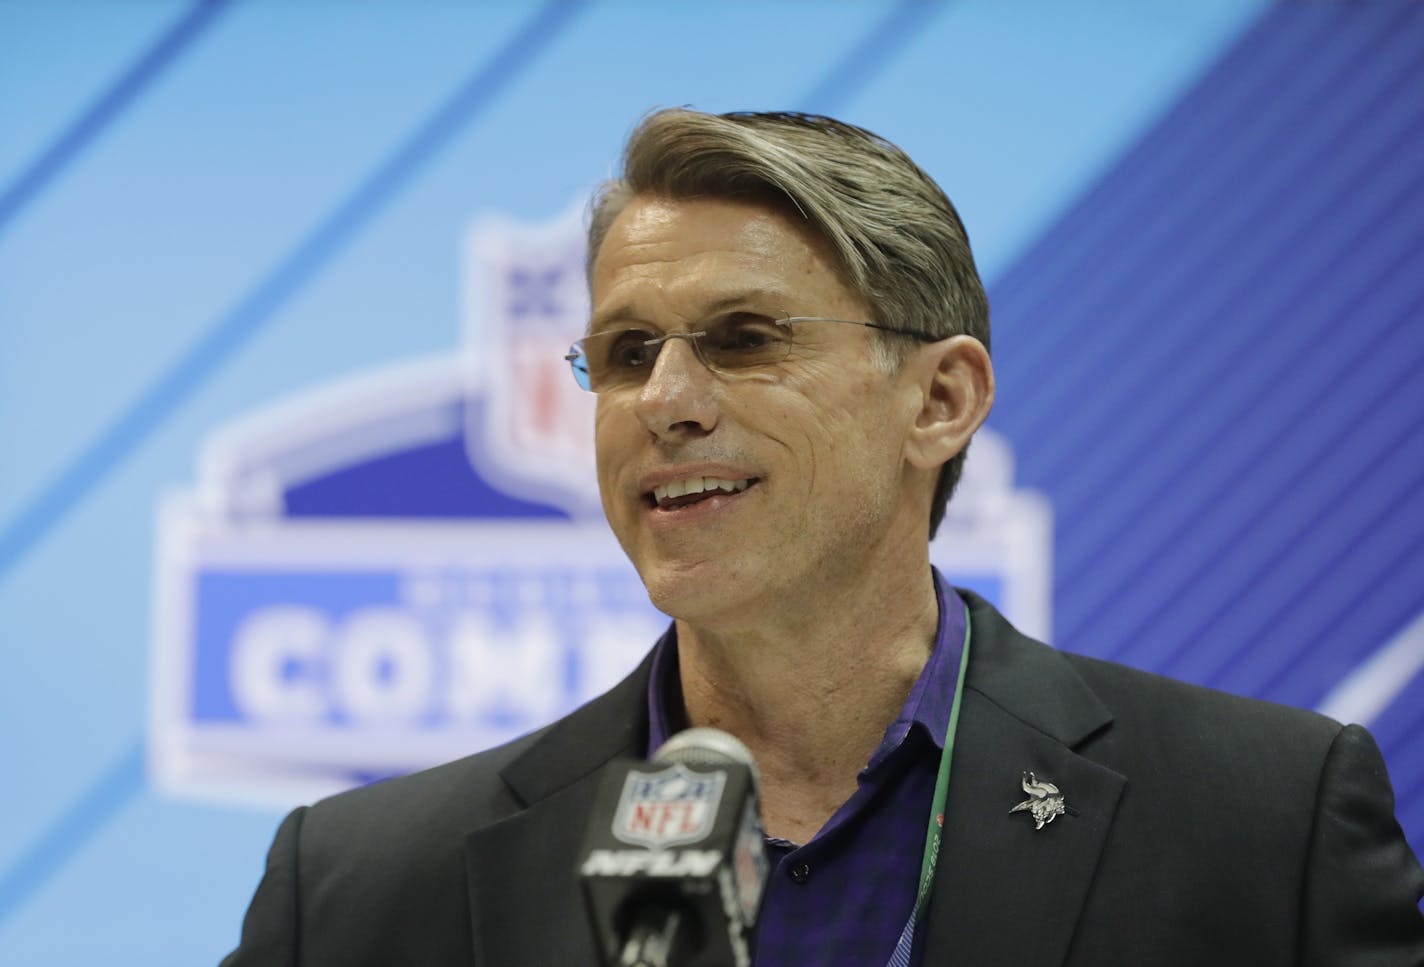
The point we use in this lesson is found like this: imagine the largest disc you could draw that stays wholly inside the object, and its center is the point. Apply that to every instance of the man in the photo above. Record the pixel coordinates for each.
(789, 345)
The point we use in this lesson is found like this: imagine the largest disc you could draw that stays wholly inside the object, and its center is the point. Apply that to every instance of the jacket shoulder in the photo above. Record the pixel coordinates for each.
(463, 790)
(1145, 700)
(1095, 705)
(379, 874)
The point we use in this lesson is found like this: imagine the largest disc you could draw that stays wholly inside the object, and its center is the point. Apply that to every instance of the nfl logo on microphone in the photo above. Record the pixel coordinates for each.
(667, 808)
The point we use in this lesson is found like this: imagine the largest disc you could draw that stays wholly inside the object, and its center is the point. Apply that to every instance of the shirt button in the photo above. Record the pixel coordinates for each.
(801, 872)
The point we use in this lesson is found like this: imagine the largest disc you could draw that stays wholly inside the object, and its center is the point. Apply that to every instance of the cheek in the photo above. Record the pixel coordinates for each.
(855, 445)
(857, 407)
(835, 448)
(610, 440)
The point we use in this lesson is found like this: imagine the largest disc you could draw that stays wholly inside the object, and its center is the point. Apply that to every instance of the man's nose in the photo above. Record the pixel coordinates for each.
(679, 399)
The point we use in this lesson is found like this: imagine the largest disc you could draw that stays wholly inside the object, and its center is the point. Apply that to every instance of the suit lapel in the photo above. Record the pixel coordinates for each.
(525, 903)
(1005, 892)
(531, 854)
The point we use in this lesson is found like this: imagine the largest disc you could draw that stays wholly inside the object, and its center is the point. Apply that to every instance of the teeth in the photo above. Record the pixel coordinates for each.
(697, 485)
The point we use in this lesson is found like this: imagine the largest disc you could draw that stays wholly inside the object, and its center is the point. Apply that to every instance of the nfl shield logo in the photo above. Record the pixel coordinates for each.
(525, 301)
(668, 808)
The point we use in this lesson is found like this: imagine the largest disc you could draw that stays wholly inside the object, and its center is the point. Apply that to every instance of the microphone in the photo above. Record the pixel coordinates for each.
(673, 863)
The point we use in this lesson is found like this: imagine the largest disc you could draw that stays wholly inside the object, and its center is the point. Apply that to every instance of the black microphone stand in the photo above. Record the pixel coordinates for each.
(652, 937)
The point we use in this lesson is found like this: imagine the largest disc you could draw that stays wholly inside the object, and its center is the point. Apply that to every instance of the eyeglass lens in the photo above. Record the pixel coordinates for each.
(622, 357)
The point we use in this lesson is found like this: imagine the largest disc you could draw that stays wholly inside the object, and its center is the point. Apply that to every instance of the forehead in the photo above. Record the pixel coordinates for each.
(682, 256)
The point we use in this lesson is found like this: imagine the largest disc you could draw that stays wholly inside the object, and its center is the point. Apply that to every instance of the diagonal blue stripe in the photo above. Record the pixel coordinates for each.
(1349, 532)
(1260, 162)
(1260, 80)
(235, 329)
(1258, 196)
(102, 112)
(1177, 549)
(1070, 255)
(1189, 388)
(1372, 590)
(1160, 506)
(1200, 397)
(866, 59)
(100, 802)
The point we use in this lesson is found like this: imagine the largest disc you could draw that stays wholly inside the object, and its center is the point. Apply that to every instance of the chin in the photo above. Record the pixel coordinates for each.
(697, 592)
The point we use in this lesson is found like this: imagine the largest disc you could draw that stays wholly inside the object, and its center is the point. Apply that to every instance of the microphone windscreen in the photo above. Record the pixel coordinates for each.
(704, 747)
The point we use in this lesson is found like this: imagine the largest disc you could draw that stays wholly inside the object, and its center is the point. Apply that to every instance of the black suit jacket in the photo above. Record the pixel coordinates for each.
(1205, 829)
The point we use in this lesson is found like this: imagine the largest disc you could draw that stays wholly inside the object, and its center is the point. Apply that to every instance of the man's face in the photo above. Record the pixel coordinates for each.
(801, 461)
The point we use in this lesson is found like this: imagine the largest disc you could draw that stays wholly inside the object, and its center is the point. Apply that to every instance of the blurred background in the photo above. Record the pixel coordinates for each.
(294, 490)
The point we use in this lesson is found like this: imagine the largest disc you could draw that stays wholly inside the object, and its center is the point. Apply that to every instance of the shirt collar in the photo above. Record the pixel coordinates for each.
(928, 704)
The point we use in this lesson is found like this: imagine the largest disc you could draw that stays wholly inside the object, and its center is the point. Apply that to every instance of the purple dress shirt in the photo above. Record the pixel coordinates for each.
(844, 897)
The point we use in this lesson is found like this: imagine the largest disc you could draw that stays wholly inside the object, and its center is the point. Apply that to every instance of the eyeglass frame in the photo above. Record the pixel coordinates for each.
(693, 336)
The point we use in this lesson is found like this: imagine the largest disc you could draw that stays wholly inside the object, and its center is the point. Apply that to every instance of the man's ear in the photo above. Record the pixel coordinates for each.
(953, 386)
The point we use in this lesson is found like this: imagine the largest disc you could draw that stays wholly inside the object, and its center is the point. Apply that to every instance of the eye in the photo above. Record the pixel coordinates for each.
(747, 333)
(629, 349)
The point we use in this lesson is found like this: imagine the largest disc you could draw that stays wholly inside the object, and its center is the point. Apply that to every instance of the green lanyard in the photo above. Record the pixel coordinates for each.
(936, 823)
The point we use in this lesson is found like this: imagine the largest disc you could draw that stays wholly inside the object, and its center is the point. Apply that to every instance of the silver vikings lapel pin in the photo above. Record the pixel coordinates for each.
(1044, 802)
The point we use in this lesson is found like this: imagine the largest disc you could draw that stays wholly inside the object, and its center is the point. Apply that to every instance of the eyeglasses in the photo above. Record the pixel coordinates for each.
(727, 345)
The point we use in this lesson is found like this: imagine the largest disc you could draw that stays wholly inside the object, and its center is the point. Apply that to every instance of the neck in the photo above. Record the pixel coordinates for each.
(812, 694)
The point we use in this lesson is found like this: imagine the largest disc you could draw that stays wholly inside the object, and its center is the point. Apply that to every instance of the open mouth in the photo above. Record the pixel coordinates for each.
(677, 494)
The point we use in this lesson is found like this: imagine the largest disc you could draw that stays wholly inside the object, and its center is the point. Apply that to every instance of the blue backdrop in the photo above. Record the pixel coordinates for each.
(1202, 227)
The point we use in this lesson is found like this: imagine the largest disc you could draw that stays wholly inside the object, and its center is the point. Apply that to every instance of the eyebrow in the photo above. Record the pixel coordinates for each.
(625, 315)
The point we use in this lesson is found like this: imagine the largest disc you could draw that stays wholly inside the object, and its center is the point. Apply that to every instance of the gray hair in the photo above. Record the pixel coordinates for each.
(895, 235)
